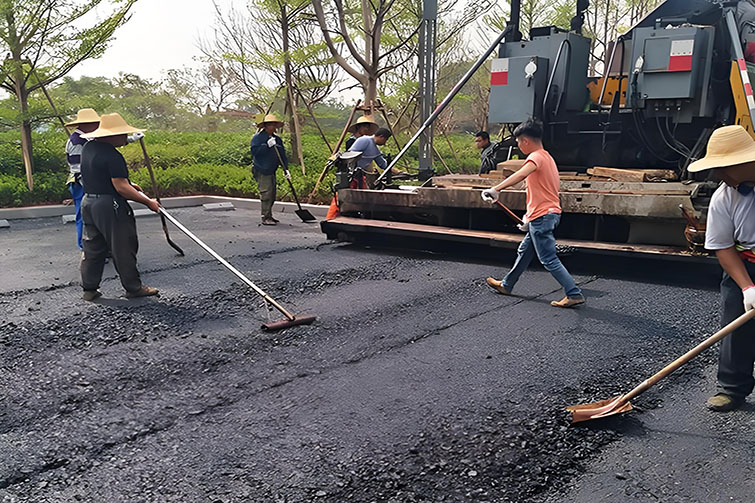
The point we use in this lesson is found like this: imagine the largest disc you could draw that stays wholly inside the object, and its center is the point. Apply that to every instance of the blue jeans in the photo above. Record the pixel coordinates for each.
(540, 241)
(77, 191)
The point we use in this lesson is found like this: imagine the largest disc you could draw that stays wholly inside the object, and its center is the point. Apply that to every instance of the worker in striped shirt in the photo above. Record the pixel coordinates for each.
(87, 120)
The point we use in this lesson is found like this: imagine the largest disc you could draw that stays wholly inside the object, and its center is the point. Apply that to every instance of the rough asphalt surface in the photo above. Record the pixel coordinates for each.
(416, 384)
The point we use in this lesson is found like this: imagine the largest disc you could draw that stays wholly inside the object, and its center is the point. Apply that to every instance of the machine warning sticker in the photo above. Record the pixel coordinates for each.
(680, 59)
(499, 72)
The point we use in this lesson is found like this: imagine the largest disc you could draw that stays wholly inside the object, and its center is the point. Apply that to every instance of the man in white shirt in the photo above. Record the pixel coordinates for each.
(730, 232)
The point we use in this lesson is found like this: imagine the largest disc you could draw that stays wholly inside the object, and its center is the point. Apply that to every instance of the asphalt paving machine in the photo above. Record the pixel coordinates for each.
(622, 141)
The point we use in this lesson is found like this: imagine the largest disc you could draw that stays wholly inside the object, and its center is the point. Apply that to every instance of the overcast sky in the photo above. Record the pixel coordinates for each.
(162, 34)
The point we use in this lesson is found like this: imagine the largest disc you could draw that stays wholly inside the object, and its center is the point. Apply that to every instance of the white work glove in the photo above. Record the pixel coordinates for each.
(287, 174)
(134, 137)
(271, 142)
(524, 226)
(490, 195)
(749, 297)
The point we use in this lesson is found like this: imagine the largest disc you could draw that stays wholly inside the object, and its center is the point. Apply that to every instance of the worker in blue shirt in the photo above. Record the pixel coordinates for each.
(266, 162)
(368, 145)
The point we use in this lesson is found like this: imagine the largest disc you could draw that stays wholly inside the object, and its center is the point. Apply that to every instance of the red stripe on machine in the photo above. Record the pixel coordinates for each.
(499, 72)
(680, 63)
(742, 65)
(499, 79)
(748, 89)
(680, 58)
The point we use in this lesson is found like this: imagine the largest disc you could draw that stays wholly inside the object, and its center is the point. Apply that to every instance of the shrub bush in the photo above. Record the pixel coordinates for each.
(197, 163)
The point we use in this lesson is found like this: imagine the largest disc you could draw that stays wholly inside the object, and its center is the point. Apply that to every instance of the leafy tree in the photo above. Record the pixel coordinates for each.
(44, 40)
(381, 28)
(269, 47)
(208, 89)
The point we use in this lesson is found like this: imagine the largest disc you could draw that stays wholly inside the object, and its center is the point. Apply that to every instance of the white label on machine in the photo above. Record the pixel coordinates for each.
(499, 72)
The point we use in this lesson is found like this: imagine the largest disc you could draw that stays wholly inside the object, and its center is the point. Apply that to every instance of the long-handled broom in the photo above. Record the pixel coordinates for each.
(290, 319)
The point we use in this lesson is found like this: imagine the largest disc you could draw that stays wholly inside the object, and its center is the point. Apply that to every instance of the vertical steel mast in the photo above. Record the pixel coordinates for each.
(427, 70)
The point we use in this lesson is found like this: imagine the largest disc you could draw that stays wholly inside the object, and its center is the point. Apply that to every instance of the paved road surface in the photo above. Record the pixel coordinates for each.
(417, 383)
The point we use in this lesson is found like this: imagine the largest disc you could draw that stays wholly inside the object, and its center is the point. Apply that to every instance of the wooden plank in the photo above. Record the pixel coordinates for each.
(497, 175)
(504, 239)
(511, 164)
(633, 175)
(630, 192)
(583, 178)
(480, 183)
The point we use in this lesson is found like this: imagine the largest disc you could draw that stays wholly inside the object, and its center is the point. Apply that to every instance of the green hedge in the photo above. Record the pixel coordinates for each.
(196, 163)
(48, 188)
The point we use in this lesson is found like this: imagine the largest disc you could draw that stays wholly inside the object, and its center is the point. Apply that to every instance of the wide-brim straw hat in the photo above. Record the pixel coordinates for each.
(270, 119)
(112, 125)
(85, 116)
(365, 119)
(728, 146)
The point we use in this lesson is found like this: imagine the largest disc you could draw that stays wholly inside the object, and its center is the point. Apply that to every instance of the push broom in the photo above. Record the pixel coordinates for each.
(290, 320)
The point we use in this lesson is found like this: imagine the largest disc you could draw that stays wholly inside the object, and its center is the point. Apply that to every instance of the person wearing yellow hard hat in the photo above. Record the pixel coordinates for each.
(109, 224)
(730, 233)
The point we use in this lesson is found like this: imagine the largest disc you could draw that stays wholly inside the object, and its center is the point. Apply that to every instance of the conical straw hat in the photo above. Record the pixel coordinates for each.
(270, 119)
(85, 116)
(728, 146)
(366, 119)
(112, 125)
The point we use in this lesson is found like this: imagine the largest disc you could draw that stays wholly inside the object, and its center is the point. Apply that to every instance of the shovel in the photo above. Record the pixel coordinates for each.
(305, 215)
(289, 321)
(148, 163)
(619, 404)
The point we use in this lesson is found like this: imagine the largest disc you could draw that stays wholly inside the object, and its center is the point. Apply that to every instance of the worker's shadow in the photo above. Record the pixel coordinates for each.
(628, 322)
(122, 302)
(627, 424)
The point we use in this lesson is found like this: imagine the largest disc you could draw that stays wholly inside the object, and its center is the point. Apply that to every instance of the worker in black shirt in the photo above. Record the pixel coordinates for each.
(109, 223)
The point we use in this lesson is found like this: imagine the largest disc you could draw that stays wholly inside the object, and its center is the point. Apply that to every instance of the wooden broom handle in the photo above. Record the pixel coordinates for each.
(668, 369)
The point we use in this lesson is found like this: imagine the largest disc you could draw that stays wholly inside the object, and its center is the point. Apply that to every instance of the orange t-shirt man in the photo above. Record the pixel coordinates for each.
(542, 217)
(542, 186)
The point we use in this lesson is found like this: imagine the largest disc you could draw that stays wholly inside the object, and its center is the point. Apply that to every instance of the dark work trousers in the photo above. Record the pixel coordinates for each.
(267, 185)
(737, 354)
(109, 225)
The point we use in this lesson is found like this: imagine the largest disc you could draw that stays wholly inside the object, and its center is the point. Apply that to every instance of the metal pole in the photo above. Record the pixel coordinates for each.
(736, 45)
(427, 37)
(156, 194)
(225, 263)
(515, 35)
(447, 100)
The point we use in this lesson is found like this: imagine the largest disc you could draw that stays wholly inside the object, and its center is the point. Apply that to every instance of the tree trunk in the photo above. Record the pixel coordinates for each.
(370, 92)
(291, 102)
(26, 147)
(296, 133)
